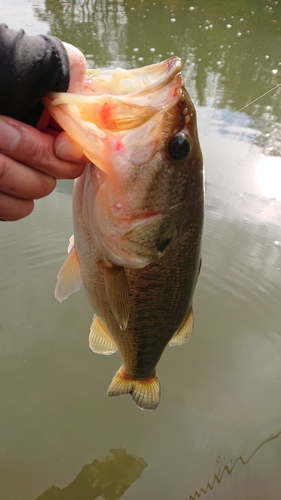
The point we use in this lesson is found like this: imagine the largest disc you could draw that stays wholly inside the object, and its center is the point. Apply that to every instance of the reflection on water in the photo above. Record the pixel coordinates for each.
(222, 409)
(108, 478)
(99, 28)
(268, 176)
(224, 469)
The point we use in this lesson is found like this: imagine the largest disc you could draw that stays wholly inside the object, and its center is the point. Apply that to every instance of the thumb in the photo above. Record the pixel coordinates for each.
(68, 150)
(77, 63)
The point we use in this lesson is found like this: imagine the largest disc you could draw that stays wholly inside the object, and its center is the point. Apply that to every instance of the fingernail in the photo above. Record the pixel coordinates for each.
(69, 151)
(9, 136)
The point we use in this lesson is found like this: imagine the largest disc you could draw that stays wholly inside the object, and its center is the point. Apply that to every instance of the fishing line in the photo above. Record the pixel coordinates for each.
(229, 469)
(249, 104)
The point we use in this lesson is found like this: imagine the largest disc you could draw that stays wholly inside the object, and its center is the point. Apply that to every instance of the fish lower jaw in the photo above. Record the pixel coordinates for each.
(128, 213)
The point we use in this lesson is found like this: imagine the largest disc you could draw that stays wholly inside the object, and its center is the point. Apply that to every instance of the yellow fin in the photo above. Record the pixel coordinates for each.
(184, 333)
(71, 244)
(68, 278)
(145, 393)
(117, 291)
(100, 340)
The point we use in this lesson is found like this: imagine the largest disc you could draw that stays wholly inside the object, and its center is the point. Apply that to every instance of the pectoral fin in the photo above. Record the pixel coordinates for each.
(117, 291)
(68, 278)
(184, 333)
(100, 340)
(145, 392)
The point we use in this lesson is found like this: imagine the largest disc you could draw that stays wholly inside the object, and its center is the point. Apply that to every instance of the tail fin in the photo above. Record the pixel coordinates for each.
(145, 392)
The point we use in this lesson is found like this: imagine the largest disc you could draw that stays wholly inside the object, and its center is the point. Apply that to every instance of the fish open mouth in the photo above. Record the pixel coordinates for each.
(120, 110)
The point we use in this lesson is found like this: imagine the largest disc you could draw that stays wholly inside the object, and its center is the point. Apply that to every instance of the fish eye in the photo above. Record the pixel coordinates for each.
(179, 146)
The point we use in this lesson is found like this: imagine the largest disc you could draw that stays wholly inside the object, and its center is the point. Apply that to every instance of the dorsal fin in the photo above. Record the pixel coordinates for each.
(69, 277)
(117, 291)
(100, 340)
(145, 392)
(184, 333)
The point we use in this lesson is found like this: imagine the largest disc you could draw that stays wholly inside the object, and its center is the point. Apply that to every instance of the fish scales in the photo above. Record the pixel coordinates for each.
(138, 217)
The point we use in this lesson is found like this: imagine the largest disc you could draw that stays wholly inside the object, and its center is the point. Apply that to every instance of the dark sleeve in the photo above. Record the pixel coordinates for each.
(30, 66)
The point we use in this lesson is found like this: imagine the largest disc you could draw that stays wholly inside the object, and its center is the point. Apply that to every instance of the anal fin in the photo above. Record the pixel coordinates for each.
(117, 291)
(145, 392)
(100, 340)
(183, 334)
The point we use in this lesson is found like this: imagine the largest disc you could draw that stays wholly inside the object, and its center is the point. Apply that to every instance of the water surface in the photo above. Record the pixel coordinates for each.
(216, 433)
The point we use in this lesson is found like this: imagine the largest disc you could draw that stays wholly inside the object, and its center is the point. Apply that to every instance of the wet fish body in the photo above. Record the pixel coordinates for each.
(138, 217)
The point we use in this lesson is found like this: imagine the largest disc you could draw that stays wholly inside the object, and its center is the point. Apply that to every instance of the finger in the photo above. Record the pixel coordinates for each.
(44, 120)
(47, 123)
(36, 149)
(22, 181)
(12, 209)
(67, 149)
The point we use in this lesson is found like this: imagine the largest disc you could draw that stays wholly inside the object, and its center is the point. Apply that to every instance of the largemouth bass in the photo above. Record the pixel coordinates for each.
(138, 216)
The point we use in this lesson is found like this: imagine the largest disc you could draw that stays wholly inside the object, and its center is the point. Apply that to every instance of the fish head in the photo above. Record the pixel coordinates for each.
(138, 128)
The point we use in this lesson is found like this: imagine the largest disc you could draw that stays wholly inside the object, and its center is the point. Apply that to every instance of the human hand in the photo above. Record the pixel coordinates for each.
(31, 160)
(30, 163)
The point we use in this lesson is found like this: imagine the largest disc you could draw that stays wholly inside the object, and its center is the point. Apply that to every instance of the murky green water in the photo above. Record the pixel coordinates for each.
(216, 434)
